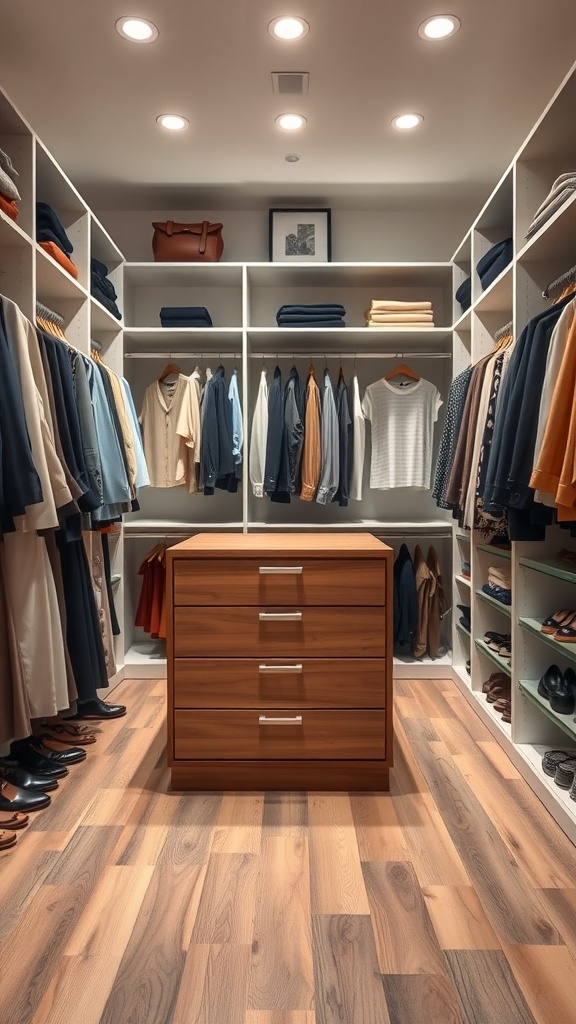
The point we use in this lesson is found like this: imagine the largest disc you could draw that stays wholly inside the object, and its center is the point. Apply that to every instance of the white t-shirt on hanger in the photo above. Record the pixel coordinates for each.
(402, 416)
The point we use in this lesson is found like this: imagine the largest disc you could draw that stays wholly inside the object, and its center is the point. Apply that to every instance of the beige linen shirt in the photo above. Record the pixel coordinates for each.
(166, 450)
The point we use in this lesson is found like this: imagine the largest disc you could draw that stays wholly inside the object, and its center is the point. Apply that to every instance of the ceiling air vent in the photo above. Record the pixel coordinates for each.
(290, 83)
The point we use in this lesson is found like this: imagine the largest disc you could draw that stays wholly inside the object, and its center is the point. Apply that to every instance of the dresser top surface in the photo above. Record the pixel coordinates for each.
(282, 545)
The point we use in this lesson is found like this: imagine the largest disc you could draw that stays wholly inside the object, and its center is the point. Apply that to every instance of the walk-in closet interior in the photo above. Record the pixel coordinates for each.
(423, 366)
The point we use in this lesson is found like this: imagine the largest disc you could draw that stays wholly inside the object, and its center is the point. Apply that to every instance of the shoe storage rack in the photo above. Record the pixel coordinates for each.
(541, 584)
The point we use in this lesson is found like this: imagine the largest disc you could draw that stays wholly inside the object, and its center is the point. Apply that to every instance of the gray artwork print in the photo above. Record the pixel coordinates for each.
(301, 243)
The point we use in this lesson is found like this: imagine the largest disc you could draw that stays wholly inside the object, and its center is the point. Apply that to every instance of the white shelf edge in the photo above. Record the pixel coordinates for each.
(114, 323)
(366, 524)
(15, 227)
(564, 209)
(463, 580)
(483, 300)
(139, 332)
(65, 276)
(457, 326)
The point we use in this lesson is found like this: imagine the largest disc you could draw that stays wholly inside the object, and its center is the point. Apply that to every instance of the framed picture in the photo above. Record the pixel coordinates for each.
(300, 236)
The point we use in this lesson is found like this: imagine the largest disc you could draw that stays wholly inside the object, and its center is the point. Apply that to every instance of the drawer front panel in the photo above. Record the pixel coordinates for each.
(274, 683)
(279, 581)
(281, 733)
(255, 633)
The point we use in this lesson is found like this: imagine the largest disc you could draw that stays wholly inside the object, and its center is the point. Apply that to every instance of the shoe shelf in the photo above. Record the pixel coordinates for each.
(463, 535)
(504, 608)
(529, 687)
(463, 580)
(533, 626)
(504, 666)
(497, 552)
(491, 713)
(553, 567)
(462, 630)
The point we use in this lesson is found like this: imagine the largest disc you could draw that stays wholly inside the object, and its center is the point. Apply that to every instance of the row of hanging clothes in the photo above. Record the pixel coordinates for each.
(71, 462)
(507, 459)
(419, 603)
(309, 441)
(192, 430)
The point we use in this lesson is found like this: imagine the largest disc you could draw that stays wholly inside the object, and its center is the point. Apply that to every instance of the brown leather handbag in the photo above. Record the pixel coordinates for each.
(187, 243)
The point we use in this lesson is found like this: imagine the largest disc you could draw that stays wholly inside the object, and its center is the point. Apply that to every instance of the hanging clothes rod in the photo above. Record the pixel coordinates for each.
(350, 355)
(183, 355)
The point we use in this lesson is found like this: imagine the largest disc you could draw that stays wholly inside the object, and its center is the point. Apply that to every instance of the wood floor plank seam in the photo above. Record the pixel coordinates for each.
(450, 899)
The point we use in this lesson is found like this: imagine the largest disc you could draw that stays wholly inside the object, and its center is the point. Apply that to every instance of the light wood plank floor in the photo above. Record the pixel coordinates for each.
(449, 900)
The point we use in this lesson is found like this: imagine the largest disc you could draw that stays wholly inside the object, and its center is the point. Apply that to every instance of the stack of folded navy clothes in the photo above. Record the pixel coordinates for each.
(103, 289)
(494, 261)
(53, 239)
(321, 314)
(185, 316)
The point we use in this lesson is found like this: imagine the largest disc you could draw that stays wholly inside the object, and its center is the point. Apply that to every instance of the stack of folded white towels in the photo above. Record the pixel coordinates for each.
(394, 313)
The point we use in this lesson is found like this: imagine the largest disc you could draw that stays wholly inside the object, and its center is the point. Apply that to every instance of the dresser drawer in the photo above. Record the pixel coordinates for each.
(282, 733)
(256, 633)
(273, 683)
(281, 581)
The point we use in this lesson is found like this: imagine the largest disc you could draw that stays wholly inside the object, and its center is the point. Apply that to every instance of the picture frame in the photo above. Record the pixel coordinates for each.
(300, 236)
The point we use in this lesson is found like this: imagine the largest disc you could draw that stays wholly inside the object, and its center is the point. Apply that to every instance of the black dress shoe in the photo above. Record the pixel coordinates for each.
(72, 755)
(13, 798)
(20, 776)
(28, 757)
(98, 709)
(563, 699)
(550, 682)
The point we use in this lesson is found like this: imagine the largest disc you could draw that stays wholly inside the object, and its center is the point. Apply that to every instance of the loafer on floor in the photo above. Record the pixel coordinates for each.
(13, 820)
(7, 839)
(28, 757)
(20, 776)
(98, 709)
(12, 798)
(70, 755)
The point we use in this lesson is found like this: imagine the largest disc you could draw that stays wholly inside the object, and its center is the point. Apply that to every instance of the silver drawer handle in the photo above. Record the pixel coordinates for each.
(283, 570)
(280, 616)
(280, 668)
(295, 720)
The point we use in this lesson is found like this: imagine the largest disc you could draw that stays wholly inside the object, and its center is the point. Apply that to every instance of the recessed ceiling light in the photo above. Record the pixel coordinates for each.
(137, 30)
(173, 122)
(288, 29)
(406, 121)
(291, 122)
(439, 27)
(292, 158)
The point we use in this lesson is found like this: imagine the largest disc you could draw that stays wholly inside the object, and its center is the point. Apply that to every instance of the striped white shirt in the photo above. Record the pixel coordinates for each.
(402, 417)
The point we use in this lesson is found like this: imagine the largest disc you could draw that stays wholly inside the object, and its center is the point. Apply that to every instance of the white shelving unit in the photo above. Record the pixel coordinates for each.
(541, 583)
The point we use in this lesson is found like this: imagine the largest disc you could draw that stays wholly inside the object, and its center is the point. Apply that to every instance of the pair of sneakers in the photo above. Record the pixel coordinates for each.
(561, 766)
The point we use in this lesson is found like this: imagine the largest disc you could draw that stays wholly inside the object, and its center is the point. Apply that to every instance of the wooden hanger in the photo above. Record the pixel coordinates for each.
(402, 370)
(169, 369)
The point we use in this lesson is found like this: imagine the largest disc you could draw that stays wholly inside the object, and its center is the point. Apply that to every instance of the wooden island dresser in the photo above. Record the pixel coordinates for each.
(279, 662)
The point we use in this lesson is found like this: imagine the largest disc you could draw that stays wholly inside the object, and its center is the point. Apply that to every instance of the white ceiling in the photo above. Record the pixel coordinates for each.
(93, 98)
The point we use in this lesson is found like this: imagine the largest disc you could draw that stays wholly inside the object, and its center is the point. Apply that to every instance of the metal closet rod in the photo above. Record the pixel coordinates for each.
(350, 355)
(289, 355)
(183, 355)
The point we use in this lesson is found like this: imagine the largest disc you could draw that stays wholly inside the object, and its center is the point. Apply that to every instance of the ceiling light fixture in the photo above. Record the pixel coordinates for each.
(137, 30)
(288, 29)
(173, 122)
(292, 158)
(290, 122)
(407, 121)
(439, 27)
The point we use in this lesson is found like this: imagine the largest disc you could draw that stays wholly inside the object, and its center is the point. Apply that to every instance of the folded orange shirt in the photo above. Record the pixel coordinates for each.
(9, 207)
(52, 249)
